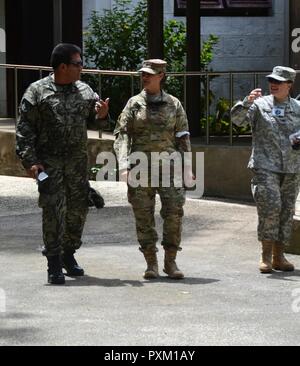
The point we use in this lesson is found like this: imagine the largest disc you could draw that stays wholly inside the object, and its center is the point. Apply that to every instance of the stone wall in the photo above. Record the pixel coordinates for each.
(225, 168)
(245, 44)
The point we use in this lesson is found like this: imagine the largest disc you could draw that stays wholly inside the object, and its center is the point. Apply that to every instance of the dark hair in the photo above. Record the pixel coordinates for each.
(62, 54)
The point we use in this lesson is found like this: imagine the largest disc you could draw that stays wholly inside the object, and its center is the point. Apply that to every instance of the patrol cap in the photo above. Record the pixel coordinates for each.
(154, 66)
(282, 73)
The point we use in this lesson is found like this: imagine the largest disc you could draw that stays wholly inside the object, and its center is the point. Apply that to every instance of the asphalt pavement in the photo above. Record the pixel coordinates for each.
(223, 299)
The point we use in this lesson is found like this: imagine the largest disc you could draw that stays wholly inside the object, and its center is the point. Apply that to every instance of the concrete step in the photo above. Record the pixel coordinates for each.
(7, 124)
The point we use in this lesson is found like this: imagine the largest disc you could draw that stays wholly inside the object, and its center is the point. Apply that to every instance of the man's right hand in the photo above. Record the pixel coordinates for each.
(34, 170)
(256, 93)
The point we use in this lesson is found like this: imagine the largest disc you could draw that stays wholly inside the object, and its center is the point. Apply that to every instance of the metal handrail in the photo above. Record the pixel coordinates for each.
(132, 74)
(40, 69)
(87, 71)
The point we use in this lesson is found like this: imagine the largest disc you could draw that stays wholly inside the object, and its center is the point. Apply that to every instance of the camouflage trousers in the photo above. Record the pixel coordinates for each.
(275, 195)
(64, 205)
(142, 200)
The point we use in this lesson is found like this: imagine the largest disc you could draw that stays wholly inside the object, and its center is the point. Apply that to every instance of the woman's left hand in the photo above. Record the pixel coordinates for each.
(189, 178)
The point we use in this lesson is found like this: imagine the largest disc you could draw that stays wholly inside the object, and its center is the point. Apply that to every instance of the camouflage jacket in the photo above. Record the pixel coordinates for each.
(53, 121)
(145, 126)
(271, 147)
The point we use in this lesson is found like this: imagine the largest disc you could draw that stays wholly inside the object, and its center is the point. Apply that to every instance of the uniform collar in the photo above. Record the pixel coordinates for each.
(161, 98)
(58, 87)
(283, 104)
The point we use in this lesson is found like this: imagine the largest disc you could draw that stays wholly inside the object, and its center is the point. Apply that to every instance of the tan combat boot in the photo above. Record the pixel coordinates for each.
(266, 257)
(171, 268)
(152, 265)
(279, 262)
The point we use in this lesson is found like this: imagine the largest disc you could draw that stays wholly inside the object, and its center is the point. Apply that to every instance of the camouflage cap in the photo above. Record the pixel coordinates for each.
(154, 66)
(282, 73)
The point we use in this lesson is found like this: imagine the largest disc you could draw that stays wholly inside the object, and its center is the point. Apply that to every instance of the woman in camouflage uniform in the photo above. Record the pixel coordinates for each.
(154, 121)
(275, 163)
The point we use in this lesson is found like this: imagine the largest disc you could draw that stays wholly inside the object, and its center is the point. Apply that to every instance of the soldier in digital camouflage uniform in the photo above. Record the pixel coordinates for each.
(52, 137)
(275, 163)
(154, 121)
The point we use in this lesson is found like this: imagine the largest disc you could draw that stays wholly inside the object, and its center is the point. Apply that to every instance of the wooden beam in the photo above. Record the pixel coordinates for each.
(155, 29)
(57, 22)
(72, 25)
(193, 64)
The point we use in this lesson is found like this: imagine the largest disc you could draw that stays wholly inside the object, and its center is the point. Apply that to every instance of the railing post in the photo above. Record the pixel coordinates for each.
(231, 105)
(184, 91)
(132, 85)
(99, 85)
(100, 94)
(141, 82)
(16, 93)
(207, 109)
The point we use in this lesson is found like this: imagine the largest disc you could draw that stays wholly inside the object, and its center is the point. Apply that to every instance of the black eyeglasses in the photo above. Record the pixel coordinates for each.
(274, 81)
(76, 63)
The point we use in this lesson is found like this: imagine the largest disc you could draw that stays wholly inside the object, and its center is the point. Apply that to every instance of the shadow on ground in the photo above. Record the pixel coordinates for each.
(116, 282)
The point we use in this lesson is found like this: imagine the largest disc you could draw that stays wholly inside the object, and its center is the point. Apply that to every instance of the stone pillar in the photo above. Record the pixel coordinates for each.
(295, 40)
(294, 245)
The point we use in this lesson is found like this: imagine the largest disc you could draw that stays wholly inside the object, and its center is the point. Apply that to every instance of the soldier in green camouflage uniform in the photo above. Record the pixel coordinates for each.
(154, 121)
(52, 137)
(275, 163)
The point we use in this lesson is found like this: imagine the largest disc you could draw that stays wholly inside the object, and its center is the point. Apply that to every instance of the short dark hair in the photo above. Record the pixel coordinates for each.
(62, 54)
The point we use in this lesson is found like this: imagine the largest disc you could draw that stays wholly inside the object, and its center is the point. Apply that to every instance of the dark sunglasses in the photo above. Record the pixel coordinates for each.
(76, 63)
(274, 81)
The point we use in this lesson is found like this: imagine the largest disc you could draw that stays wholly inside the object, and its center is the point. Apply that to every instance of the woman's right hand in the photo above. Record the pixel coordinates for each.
(256, 93)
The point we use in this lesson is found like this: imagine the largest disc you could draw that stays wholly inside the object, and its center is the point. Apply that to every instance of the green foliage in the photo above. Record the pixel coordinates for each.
(117, 40)
(219, 123)
(206, 56)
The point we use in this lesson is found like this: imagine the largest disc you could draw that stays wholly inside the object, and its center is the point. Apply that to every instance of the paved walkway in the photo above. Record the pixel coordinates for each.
(223, 300)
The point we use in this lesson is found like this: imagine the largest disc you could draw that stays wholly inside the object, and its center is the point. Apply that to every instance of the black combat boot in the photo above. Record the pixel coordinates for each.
(70, 264)
(55, 274)
(95, 198)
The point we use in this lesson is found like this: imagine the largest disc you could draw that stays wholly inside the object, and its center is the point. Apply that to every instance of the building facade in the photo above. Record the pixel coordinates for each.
(246, 43)
(30, 29)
